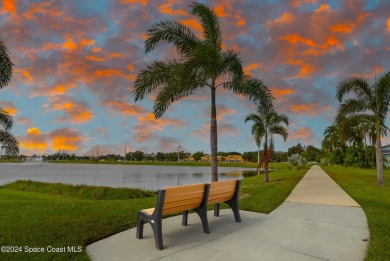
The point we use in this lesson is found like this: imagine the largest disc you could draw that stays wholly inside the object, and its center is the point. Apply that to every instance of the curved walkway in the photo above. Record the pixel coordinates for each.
(318, 221)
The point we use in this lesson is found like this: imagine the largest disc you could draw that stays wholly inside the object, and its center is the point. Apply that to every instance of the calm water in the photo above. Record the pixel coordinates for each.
(130, 176)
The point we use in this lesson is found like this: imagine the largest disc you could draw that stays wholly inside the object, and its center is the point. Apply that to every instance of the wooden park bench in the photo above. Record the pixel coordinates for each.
(222, 192)
(174, 200)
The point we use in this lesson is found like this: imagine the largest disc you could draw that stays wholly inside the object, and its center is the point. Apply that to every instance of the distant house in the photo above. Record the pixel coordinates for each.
(386, 155)
(234, 158)
(207, 158)
(229, 158)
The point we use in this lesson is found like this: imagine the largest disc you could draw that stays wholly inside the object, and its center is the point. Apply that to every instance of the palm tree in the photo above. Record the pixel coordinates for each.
(202, 63)
(371, 100)
(7, 140)
(266, 123)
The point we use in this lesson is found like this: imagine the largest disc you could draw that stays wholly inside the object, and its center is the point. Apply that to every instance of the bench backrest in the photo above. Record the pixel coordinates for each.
(182, 198)
(221, 191)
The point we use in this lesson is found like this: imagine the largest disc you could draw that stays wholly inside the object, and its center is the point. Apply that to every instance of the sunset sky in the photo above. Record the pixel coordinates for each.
(76, 63)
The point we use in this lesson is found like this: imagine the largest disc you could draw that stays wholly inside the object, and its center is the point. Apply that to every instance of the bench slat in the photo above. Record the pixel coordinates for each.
(183, 203)
(179, 209)
(183, 190)
(180, 197)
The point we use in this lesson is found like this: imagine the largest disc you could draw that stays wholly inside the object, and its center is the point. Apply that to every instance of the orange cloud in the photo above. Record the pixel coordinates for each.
(388, 24)
(104, 58)
(9, 6)
(25, 73)
(74, 111)
(305, 68)
(223, 111)
(220, 11)
(302, 2)
(294, 39)
(148, 125)
(342, 28)
(123, 107)
(252, 66)
(108, 73)
(193, 23)
(65, 139)
(310, 109)
(59, 89)
(8, 107)
(86, 42)
(323, 8)
(142, 2)
(304, 108)
(69, 44)
(167, 9)
(284, 19)
(34, 140)
(302, 133)
(130, 67)
(240, 20)
(281, 92)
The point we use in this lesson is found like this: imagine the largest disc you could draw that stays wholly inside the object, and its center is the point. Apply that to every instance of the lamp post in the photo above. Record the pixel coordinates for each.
(178, 153)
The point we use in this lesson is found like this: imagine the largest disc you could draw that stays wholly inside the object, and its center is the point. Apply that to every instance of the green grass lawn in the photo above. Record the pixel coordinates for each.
(40, 215)
(360, 184)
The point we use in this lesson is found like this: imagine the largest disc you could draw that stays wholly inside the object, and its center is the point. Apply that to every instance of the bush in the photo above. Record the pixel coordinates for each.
(297, 161)
(325, 162)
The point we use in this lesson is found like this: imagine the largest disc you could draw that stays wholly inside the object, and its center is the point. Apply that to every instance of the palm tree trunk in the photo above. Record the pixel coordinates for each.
(266, 159)
(213, 135)
(379, 157)
(258, 159)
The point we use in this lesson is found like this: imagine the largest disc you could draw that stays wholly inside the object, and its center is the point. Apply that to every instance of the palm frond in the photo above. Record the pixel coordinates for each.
(9, 143)
(232, 64)
(5, 66)
(6, 120)
(184, 81)
(359, 86)
(277, 118)
(252, 117)
(157, 74)
(171, 32)
(354, 106)
(279, 130)
(209, 20)
(253, 89)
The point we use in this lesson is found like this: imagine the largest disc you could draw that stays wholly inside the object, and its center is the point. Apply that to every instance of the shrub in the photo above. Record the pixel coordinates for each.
(297, 161)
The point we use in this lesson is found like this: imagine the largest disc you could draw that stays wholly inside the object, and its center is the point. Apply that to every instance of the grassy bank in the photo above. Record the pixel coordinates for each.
(360, 184)
(40, 215)
(159, 163)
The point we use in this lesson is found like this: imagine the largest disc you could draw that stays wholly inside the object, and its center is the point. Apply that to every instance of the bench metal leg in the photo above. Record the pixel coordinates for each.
(233, 204)
(216, 210)
(202, 213)
(140, 227)
(157, 231)
(184, 222)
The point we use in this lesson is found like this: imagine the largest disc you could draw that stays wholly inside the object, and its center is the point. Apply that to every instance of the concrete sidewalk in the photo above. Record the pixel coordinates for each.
(318, 221)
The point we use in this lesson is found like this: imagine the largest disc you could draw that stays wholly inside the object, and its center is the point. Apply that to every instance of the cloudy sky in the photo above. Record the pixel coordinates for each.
(76, 63)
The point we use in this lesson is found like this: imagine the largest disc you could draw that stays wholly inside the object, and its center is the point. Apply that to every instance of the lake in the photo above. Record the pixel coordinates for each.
(129, 176)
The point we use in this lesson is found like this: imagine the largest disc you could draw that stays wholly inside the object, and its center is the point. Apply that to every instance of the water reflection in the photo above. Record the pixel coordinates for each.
(132, 176)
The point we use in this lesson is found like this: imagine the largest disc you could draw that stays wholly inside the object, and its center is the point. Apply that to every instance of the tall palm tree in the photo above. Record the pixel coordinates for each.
(202, 63)
(266, 123)
(371, 100)
(7, 140)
